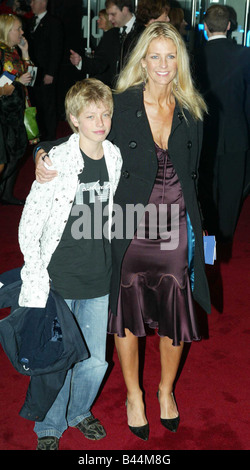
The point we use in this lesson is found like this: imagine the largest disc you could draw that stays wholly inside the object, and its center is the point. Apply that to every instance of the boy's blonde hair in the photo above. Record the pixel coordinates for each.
(82, 94)
(6, 25)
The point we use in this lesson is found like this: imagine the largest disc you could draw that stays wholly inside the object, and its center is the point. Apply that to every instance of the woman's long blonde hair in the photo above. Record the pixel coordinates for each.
(6, 24)
(183, 87)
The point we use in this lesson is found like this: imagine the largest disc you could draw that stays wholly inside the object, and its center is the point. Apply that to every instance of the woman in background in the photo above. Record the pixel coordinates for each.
(12, 106)
(103, 21)
(177, 19)
(5, 90)
(148, 11)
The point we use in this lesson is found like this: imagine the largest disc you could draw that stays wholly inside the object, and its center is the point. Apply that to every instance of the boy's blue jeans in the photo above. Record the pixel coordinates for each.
(82, 382)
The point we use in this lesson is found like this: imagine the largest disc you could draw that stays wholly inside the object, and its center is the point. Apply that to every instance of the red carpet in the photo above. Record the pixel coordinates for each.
(213, 387)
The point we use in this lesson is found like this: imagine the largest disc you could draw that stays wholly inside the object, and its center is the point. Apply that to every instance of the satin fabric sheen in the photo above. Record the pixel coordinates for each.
(155, 287)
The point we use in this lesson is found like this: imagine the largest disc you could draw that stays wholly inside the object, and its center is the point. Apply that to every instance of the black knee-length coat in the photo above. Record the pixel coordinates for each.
(131, 133)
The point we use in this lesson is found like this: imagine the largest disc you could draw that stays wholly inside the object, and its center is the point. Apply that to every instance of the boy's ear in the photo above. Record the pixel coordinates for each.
(74, 120)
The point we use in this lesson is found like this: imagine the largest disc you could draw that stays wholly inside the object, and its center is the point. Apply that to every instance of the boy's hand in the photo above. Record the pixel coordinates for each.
(43, 174)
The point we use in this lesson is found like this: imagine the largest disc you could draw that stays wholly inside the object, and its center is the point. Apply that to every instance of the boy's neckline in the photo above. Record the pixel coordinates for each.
(92, 158)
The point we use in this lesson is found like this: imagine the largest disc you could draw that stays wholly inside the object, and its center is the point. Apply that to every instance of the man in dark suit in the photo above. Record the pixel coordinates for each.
(115, 45)
(220, 75)
(103, 64)
(45, 37)
(120, 13)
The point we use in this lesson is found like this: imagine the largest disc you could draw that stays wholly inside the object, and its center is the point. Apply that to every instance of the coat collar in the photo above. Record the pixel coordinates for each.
(134, 97)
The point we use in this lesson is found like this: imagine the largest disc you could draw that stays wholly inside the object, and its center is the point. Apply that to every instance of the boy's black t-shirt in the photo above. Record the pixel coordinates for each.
(80, 267)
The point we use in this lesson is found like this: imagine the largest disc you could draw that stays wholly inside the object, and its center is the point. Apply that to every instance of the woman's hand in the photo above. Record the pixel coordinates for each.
(43, 174)
(7, 90)
(24, 46)
(25, 79)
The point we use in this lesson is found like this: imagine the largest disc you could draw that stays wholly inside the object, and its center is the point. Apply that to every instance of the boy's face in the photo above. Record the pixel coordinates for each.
(94, 122)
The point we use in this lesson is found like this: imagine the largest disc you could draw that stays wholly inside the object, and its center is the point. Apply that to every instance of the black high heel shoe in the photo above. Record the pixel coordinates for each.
(170, 424)
(140, 431)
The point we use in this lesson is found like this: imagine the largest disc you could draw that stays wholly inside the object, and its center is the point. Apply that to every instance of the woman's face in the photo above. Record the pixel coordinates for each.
(102, 22)
(161, 61)
(15, 34)
(183, 26)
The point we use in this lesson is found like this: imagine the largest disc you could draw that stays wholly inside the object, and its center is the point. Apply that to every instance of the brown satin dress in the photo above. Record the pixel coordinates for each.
(155, 287)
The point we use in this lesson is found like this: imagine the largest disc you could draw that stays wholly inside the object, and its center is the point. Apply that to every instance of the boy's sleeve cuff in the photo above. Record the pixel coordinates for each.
(35, 152)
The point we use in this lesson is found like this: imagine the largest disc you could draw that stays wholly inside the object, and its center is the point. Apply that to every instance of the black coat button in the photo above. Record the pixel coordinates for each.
(132, 144)
(139, 113)
(194, 175)
(189, 144)
(180, 116)
(125, 174)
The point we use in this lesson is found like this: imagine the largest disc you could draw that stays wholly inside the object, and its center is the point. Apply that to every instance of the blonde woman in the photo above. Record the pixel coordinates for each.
(103, 21)
(157, 124)
(13, 103)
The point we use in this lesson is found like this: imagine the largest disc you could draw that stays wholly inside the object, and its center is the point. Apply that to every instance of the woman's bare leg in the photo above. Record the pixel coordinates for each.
(170, 359)
(128, 353)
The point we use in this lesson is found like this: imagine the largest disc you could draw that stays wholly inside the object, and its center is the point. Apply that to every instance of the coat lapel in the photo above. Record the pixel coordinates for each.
(136, 101)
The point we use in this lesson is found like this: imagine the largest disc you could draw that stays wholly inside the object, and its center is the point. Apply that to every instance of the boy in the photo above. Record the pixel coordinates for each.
(59, 246)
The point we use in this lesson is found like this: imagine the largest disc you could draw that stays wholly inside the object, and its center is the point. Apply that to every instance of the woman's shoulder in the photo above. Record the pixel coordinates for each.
(193, 126)
(189, 118)
(4, 51)
(128, 97)
(3, 46)
(131, 91)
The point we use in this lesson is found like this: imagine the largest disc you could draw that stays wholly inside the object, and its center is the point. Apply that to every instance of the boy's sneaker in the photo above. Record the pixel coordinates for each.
(91, 428)
(47, 443)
